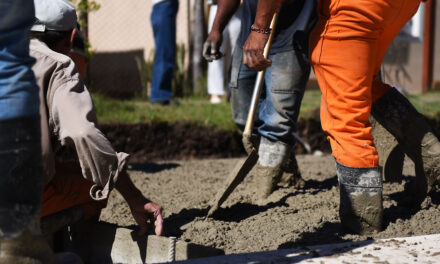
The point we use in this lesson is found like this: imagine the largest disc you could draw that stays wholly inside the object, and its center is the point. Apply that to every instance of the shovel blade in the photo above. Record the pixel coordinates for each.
(234, 179)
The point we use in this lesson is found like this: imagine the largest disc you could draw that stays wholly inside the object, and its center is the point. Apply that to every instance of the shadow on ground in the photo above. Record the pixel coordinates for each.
(151, 167)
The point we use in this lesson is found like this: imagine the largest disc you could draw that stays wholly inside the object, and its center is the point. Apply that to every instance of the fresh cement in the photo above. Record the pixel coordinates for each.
(288, 218)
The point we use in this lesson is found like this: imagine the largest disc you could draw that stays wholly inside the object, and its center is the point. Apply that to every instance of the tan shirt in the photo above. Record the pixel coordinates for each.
(68, 117)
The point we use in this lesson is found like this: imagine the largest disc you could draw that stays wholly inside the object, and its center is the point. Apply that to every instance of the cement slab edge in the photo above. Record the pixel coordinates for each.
(419, 249)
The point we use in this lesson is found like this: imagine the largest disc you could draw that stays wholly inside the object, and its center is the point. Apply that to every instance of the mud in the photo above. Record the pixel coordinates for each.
(287, 218)
(186, 141)
(155, 141)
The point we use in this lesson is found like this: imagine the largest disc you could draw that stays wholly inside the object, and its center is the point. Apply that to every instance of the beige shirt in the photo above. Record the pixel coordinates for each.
(68, 117)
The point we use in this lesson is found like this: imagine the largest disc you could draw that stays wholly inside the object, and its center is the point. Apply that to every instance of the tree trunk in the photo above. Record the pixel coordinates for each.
(198, 37)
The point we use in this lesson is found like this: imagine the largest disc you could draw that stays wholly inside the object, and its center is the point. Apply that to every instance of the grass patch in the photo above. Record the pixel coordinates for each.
(427, 103)
(195, 110)
(200, 111)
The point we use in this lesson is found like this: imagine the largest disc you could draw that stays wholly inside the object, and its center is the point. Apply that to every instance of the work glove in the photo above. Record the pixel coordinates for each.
(211, 47)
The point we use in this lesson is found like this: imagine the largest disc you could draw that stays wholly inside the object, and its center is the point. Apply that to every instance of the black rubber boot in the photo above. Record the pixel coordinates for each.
(360, 206)
(268, 171)
(21, 178)
(21, 190)
(395, 113)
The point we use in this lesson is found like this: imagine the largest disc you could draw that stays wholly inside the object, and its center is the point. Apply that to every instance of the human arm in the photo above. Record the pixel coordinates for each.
(225, 10)
(73, 118)
(141, 208)
(254, 46)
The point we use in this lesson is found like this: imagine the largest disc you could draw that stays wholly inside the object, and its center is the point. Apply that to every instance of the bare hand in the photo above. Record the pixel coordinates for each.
(211, 47)
(143, 211)
(253, 51)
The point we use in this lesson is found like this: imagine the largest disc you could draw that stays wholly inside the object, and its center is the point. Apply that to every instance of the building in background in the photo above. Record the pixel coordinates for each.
(120, 32)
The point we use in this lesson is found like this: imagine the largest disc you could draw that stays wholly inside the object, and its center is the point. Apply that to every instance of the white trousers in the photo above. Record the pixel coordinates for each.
(216, 69)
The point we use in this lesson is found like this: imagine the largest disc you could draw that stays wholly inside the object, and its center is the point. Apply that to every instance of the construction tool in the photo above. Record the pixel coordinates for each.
(243, 168)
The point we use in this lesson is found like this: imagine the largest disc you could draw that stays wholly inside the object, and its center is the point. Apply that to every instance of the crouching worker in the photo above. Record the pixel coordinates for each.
(78, 189)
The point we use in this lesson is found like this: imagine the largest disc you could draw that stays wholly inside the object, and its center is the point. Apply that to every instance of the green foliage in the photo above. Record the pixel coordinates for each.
(145, 69)
(427, 103)
(180, 83)
(83, 8)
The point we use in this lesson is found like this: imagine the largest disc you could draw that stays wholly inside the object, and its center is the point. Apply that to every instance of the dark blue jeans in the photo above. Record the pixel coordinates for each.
(21, 178)
(18, 91)
(282, 93)
(163, 20)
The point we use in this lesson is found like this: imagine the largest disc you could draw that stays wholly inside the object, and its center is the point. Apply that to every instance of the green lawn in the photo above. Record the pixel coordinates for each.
(218, 116)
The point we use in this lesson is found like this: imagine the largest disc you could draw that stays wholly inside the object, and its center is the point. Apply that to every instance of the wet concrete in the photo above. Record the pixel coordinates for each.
(288, 218)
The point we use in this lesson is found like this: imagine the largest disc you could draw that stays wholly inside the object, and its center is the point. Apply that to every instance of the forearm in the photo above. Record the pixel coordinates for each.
(225, 10)
(128, 190)
(265, 11)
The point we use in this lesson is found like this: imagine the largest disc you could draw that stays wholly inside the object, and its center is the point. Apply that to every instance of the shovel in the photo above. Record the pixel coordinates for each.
(242, 168)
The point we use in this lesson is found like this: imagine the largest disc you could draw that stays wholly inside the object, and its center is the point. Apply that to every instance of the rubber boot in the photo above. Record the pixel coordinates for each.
(360, 208)
(21, 189)
(395, 113)
(268, 170)
(291, 175)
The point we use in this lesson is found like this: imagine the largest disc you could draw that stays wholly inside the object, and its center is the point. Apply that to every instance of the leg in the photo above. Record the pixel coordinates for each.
(216, 69)
(343, 50)
(163, 20)
(66, 199)
(21, 174)
(285, 85)
(393, 111)
(68, 189)
(242, 81)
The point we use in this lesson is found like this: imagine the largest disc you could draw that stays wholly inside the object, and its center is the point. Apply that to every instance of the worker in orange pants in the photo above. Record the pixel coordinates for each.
(347, 48)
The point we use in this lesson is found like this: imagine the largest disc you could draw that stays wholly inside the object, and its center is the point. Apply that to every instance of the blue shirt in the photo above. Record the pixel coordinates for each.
(295, 22)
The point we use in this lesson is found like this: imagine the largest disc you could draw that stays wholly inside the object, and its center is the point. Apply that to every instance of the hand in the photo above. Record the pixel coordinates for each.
(212, 45)
(141, 211)
(253, 51)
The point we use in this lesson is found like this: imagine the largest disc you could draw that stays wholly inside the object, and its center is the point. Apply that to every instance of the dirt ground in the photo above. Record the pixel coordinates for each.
(288, 218)
(187, 141)
(155, 141)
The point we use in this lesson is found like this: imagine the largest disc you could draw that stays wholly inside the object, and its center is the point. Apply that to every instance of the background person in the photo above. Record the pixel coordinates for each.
(216, 69)
(163, 20)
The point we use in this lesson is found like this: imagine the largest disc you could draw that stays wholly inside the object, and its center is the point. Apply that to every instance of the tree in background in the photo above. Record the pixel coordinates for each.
(198, 35)
(83, 8)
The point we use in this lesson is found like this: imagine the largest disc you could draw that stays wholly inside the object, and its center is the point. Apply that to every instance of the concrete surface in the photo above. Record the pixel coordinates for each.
(420, 249)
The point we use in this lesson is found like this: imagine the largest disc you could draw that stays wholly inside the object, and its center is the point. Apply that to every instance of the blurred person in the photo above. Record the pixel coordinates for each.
(283, 90)
(347, 49)
(216, 69)
(68, 121)
(163, 21)
(21, 177)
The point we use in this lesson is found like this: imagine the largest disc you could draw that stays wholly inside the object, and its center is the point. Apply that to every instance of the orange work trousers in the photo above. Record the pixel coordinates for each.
(347, 48)
(68, 189)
